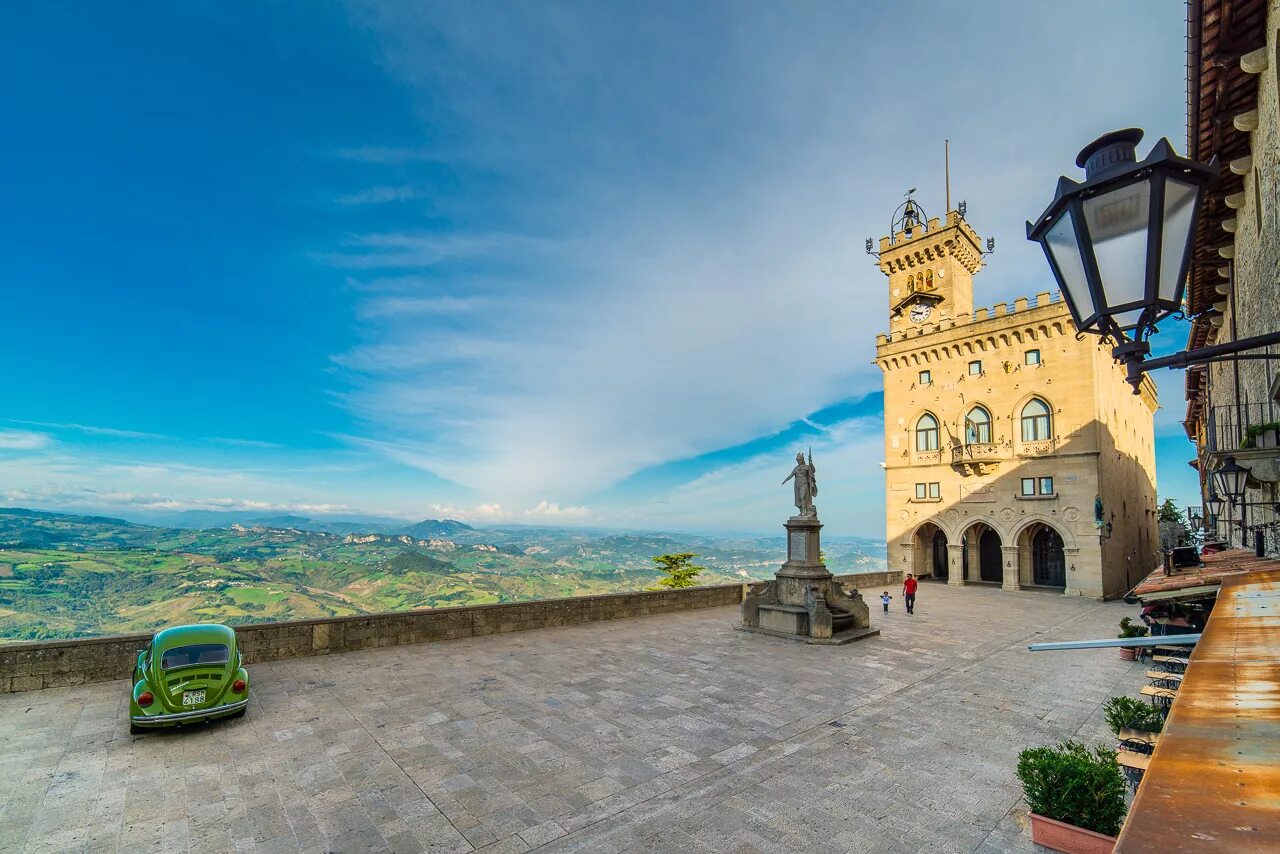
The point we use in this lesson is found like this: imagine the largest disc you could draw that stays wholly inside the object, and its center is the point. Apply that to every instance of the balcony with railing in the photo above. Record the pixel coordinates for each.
(978, 457)
(1037, 447)
(1250, 432)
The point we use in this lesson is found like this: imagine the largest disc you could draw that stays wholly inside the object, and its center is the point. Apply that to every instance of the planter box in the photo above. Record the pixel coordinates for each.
(1129, 653)
(1068, 838)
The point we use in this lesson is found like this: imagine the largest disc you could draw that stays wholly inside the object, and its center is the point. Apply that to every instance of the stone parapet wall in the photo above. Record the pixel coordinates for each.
(864, 580)
(57, 664)
(53, 664)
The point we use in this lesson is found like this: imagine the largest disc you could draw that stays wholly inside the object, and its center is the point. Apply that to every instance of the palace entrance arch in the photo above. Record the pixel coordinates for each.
(1042, 555)
(982, 554)
(929, 552)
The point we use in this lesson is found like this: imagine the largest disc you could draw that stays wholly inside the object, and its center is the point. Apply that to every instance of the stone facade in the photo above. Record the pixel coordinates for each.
(57, 664)
(977, 402)
(1227, 398)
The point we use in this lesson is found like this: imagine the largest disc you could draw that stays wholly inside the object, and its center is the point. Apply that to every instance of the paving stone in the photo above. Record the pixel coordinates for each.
(664, 733)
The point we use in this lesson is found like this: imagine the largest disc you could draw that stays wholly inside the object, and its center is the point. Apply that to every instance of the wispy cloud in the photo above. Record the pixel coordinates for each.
(24, 440)
(90, 429)
(386, 154)
(687, 225)
(378, 196)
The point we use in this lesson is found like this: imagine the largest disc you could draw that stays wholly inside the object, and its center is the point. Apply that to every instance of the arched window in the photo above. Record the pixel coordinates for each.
(1036, 421)
(927, 433)
(977, 426)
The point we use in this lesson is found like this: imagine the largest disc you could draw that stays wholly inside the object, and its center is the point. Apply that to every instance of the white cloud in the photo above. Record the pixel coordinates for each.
(378, 196)
(494, 513)
(24, 440)
(692, 246)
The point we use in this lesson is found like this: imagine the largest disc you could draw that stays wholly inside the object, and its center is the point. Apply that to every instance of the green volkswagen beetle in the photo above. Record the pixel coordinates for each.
(188, 674)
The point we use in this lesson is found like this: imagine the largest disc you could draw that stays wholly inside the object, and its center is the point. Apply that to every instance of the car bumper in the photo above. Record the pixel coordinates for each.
(188, 717)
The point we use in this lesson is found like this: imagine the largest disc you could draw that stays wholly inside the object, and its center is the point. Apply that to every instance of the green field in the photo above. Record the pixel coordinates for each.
(74, 576)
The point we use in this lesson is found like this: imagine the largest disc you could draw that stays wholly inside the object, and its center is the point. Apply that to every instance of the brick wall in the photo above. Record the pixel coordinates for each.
(56, 664)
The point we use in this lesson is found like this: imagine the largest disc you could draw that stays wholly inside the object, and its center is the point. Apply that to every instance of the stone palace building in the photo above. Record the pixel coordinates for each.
(1015, 453)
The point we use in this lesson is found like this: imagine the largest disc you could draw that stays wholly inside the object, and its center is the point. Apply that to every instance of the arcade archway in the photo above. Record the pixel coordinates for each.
(929, 559)
(1043, 556)
(982, 554)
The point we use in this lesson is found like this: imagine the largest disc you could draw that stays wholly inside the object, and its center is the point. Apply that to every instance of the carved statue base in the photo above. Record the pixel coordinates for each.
(803, 601)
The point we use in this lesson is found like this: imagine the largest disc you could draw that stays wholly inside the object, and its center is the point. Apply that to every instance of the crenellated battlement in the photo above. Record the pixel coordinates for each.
(1021, 305)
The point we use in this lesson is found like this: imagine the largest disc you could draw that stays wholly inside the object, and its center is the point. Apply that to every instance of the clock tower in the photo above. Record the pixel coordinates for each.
(930, 265)
(1015, 453)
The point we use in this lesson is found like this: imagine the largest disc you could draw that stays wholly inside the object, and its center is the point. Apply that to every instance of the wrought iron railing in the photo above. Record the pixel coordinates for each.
(1230, 427)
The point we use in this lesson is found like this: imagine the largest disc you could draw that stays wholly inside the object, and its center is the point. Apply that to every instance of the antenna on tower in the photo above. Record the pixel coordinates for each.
(947, 161)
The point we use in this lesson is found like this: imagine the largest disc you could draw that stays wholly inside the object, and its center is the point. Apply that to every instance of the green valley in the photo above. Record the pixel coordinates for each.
(79, 576)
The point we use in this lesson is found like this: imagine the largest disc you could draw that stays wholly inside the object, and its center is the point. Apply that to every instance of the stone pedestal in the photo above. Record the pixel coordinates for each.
(803, 601)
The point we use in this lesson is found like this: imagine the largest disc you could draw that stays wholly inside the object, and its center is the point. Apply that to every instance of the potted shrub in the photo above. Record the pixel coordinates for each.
(1128, 713)
(1075, 795)
(1261, 435)
(1130, 629)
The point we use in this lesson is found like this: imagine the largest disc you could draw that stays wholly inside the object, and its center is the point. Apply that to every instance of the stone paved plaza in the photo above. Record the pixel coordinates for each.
(666, 733)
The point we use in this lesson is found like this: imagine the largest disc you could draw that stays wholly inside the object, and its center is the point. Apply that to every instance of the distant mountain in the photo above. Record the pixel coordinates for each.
(435, 528)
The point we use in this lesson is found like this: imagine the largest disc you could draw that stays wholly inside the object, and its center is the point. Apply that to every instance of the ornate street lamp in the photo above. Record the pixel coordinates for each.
(1119, 245)
(1231, 479)
(1193, 516)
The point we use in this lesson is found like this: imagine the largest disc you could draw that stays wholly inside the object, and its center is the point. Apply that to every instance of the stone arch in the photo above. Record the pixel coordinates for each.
(978, 406)
(983, 553)
(1031, 519)
(919, 423)
(1021, 407)
(1044, 546)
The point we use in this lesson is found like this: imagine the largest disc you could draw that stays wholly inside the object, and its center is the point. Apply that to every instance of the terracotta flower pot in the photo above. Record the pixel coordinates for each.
(1129, 653)
(1068, 838)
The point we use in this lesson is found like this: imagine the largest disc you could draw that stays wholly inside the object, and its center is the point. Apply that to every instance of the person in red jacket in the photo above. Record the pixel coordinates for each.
(909, 593)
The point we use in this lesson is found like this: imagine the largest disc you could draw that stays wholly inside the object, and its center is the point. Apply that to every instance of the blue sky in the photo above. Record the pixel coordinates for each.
(592, 263)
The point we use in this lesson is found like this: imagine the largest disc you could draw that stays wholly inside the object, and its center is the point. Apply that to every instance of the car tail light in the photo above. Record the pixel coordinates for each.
(238, 686)
(145, 698)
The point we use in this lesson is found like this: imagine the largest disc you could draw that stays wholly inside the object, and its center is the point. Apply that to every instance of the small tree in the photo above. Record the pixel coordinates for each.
(1172, 524)
(680, 570)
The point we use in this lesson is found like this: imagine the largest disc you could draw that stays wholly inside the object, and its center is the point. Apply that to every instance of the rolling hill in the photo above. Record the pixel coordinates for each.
(76, 576)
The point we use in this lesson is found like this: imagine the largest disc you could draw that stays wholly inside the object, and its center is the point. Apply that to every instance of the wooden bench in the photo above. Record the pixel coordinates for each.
(1164, 674)
(1138, 740)
(1161, 698)
(1130, 759)
(1133, 764)
(1164, 679)
(1169, 662)
(1174, 650)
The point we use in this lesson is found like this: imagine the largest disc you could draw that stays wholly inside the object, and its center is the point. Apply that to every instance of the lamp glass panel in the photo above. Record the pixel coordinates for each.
(1179, 206)
(1231, 481)
(1117, 221)
(1065, 249)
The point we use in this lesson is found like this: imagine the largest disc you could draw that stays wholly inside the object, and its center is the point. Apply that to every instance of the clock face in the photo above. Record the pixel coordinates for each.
(920, 312)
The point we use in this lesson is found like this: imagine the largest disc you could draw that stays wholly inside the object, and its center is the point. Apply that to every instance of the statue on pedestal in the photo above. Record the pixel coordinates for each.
(803, 601)
(806, 485)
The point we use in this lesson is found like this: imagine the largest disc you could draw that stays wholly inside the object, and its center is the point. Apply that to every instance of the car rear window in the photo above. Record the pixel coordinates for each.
(196, 653)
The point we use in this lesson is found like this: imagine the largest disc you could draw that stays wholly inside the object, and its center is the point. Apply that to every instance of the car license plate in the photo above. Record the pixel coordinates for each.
(192, 698)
